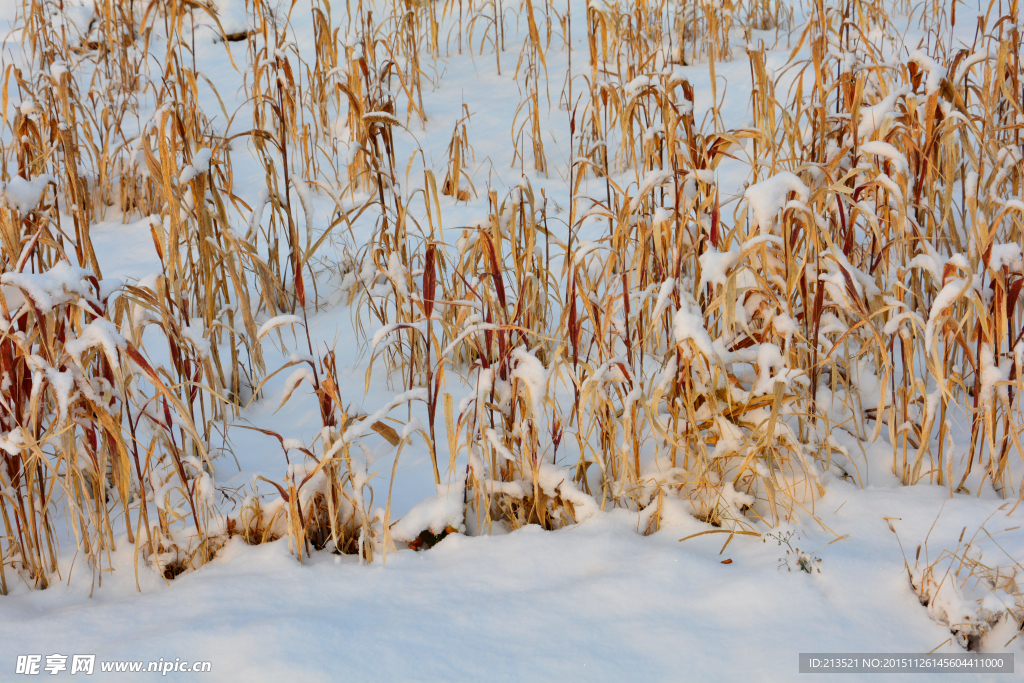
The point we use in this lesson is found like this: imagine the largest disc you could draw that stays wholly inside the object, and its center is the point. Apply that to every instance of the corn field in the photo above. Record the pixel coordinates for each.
(639, 288)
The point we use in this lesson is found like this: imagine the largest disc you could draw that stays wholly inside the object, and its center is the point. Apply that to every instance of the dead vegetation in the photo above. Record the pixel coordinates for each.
(709, 353)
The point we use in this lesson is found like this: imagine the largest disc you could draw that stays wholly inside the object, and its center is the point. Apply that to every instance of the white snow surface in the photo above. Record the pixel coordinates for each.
(593, 602)
(768, 197)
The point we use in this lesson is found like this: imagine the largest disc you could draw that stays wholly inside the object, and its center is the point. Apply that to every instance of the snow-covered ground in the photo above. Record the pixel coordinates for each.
(595, 601)
(592, 602)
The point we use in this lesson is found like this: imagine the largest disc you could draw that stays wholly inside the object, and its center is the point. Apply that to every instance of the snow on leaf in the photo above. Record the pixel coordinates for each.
(277, 321)
(360, 427)
(715, 266)
(435, 514)
(381, 117)
(59, 285)
(768, 197)
(690, 326)
(652, 180)
(303, 372)
(953, 290)
(24, 195)
(884, 149)
(533, 376)
(100, 332)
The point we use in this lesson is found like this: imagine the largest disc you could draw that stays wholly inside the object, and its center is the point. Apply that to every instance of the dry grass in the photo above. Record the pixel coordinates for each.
(971, 589)
(668, 364)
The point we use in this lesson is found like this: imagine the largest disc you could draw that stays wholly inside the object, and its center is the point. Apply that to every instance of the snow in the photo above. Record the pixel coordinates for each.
(991, 375)
(258, 210)
(884, 149)
(614, 604)
(76, 17)
(196, 334)
(12, 441)
(930, 261)
(769, 196)
(302, 190)
(690, 326)
(101, 333)
(24, 195)
(977, 58)
(381, 117)
(303, 372)
(554, 481)
(1008, 255)
(200, 164)
(652, 180)
(531, 372)
(361, 427)
(433, 514)
(952, 291)
(715, 266)
(931, 68)
(277, 321)
(60, 285)
(63, 387)
(873, 117)
(664, 292)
